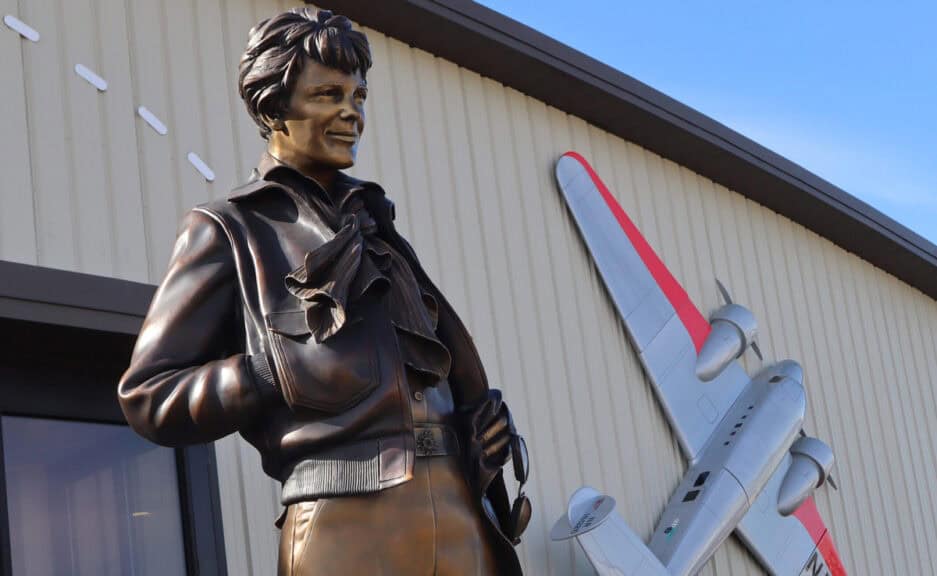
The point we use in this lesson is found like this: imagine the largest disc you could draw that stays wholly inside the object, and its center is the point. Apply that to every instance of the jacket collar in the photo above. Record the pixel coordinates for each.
(273, 174)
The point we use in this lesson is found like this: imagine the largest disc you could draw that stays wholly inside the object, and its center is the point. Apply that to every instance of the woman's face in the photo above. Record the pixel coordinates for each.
(320, 131)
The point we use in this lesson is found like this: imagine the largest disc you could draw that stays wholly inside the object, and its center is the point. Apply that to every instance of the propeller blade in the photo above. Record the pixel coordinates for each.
(757, 351)
(724, 292)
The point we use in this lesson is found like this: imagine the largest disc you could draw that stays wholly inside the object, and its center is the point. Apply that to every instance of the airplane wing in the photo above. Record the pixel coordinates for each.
(795, 544)
(668, 332)
(666, 328)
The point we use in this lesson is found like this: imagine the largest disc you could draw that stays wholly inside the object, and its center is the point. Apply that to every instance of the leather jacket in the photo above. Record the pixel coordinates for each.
(227, 347)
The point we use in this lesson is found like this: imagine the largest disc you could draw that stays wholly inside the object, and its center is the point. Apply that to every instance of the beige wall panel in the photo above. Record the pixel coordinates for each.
(469, 164)
(49, 81)
(183, 77)
(891, 408)
(161, 193)
(439, 173)
(125, 217)
(17, 225)
(238, 16)
(893, 303)
(856, 439)
(85, 110)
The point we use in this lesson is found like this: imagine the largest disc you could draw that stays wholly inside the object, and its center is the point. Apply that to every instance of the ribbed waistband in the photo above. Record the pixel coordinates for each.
(365, 466)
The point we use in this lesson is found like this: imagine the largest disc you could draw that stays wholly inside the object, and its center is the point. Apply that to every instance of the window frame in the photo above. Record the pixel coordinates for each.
(70, 339)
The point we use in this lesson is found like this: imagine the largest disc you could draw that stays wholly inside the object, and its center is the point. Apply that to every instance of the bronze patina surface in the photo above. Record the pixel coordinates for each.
(293, 313)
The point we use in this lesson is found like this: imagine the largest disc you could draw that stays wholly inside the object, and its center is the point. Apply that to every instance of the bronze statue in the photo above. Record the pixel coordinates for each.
(294, 313)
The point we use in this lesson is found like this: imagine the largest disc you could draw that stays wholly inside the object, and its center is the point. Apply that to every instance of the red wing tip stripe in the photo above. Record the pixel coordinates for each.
(827, 549)
(809, 516)
(694, 322)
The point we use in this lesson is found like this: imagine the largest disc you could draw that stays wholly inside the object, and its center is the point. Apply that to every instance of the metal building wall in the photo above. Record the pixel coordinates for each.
(87, 185)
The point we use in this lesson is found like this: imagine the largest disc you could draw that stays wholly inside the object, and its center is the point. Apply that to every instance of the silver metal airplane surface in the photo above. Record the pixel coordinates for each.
(752, 470)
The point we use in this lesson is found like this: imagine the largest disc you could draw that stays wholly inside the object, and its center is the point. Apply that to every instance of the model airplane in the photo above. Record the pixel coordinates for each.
(752, 470)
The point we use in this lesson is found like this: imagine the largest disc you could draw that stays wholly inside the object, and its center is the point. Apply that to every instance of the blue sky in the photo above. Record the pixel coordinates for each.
(847, 89)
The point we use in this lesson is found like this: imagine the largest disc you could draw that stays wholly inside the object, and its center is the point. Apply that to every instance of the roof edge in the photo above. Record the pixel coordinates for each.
(487, 42)
(59, 297)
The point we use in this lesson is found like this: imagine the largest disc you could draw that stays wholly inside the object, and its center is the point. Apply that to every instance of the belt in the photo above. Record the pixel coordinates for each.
(435, 440)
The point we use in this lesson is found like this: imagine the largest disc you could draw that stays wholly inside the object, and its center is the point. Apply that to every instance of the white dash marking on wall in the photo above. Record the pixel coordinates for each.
(201, 166)
(24, 29)
(91, 77)
(152, 120)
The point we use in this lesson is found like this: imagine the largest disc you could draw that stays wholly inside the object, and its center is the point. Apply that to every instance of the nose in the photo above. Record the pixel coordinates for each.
(351, 110)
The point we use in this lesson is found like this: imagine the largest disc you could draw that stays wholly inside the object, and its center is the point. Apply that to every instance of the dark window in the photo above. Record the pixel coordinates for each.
(691, 496)
(80, 493)
(90, 499)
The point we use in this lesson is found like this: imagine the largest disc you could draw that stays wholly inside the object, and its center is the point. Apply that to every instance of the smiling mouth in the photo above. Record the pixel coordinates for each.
(350, 137)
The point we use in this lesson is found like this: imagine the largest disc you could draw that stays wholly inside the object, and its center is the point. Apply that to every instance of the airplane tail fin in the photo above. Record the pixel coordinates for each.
(609, 543)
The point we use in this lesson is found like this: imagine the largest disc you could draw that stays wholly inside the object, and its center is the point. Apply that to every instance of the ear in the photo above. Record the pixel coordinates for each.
(277, 125)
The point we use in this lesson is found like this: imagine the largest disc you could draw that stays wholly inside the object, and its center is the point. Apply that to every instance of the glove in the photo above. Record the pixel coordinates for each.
(489, 437)
(493, 441)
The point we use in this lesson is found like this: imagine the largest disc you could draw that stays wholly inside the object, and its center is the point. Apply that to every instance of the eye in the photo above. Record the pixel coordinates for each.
(361, 94)
(332, 93)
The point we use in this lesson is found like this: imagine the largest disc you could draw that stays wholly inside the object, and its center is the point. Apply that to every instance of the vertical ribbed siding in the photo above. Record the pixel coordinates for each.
(470, 163)
(17, 221)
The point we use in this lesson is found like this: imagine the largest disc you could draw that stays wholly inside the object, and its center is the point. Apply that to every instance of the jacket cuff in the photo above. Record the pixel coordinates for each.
(263, 375)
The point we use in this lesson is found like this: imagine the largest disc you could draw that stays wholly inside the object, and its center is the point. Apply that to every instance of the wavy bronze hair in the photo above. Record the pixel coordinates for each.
(278, 47)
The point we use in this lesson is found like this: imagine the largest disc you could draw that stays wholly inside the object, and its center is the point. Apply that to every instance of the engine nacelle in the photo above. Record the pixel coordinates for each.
(810, 467)
(733, 331)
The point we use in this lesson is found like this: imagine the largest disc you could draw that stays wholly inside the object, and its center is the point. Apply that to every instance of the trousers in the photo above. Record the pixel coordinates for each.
(430, 525)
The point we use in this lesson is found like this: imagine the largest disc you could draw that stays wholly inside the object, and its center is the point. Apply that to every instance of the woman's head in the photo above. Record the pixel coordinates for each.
(277, 51)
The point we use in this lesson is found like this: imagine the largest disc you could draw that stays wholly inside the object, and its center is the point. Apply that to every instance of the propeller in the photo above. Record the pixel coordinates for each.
(724, 292)
(728, 300)
(757, 350)
(829, 477)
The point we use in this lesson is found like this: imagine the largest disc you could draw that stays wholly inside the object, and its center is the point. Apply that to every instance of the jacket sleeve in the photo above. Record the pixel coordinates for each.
(184, 385)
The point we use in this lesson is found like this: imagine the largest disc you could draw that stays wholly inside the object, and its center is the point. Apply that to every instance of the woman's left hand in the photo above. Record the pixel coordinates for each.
(490, 430)
(495, 432)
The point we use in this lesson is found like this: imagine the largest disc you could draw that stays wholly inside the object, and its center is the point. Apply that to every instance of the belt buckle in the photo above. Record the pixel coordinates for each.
(430, 441)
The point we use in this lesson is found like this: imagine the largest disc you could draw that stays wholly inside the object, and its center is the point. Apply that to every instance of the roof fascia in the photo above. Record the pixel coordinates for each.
(51, 296)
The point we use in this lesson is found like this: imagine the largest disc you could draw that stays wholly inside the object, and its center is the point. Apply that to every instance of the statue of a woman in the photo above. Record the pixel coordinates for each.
(294, 313)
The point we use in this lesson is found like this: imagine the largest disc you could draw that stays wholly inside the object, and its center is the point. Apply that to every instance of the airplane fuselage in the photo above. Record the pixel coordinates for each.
(733, 468)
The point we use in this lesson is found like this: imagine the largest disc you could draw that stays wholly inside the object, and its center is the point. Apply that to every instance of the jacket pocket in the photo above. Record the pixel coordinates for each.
(329, 376)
